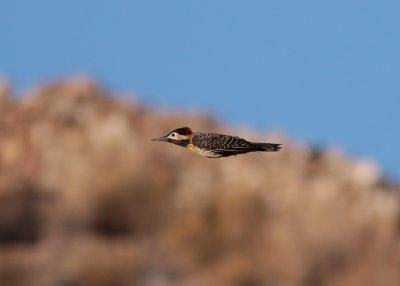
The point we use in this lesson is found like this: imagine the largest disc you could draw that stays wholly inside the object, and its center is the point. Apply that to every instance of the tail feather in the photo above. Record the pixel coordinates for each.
(267, 147)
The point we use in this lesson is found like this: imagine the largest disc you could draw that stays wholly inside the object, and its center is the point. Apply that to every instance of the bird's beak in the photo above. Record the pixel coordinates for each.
(160, 139)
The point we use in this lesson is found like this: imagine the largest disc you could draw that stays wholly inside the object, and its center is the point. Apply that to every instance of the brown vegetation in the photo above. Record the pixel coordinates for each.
(87, 199)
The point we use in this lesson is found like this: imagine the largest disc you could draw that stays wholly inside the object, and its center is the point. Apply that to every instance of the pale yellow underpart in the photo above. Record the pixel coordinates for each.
(203, 152)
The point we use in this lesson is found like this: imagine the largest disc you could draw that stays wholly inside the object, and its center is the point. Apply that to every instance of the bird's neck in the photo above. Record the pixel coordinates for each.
(184, 142)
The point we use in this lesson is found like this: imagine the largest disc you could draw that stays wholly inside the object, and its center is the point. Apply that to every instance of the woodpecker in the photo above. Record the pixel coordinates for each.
(213, 145)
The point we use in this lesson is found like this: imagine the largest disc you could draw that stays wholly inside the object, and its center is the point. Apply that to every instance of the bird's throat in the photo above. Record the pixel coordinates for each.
(183, 142)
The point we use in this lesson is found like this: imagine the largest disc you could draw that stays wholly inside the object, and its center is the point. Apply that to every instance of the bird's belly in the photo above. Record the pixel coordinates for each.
(203, 152)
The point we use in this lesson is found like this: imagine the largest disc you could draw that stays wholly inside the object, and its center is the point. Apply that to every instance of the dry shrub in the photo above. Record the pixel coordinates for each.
(137, 209)
(20, 215)
(89, 262)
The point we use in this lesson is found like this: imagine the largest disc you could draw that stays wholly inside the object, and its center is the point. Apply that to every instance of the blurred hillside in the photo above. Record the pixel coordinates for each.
(87, 199)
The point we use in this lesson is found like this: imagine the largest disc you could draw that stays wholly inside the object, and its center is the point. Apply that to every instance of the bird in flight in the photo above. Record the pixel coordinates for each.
(213, 145)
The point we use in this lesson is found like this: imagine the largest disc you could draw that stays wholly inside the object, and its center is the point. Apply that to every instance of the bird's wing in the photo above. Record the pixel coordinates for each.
(214, 141)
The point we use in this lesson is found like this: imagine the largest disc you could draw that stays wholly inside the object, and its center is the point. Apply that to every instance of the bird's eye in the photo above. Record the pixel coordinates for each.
(173, 135)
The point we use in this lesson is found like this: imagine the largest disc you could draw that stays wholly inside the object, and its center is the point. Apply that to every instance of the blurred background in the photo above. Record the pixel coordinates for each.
(323, 73)
(87, 199)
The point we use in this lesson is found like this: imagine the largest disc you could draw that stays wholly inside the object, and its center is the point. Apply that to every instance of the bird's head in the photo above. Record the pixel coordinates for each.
(180, 136)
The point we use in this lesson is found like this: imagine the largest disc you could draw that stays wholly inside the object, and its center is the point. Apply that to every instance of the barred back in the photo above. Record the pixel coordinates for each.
(213, 141)
(217, 145)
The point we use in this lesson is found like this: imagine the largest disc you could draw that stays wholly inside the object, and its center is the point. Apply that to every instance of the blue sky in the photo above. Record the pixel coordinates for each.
(327, 73)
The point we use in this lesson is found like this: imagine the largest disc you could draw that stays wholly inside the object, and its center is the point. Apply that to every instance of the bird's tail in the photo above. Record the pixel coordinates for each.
(267, 147)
